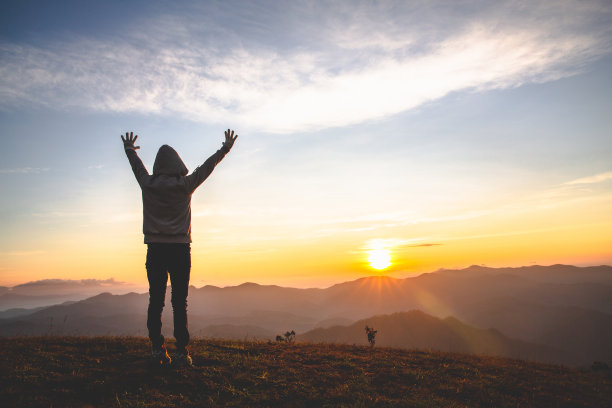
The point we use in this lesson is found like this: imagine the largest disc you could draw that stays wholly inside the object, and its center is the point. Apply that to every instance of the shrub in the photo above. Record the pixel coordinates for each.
(289, 337)
(371, 333)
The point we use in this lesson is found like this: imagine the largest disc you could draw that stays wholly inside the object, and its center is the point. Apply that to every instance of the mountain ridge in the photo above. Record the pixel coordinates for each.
(418, 330)
(541, 311)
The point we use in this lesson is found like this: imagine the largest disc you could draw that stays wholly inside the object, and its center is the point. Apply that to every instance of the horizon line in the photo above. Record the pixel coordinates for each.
(377, 276)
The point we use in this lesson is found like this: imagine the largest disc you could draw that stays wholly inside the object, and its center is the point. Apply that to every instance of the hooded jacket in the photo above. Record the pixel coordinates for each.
(166, 194)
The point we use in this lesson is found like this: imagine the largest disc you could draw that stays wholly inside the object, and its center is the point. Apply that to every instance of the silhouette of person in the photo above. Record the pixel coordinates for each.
(166, 205)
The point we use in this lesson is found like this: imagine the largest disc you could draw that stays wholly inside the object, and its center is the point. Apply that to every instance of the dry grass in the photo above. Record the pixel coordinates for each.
(114, 371)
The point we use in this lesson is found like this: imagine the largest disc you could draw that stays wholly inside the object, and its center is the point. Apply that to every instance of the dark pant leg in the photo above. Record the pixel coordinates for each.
(158, 279)
(179, 269)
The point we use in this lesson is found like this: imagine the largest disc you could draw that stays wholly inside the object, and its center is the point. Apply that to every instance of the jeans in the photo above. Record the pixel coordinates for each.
(164, 260)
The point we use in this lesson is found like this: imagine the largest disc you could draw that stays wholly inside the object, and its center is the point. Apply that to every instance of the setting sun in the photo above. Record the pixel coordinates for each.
(379, 258)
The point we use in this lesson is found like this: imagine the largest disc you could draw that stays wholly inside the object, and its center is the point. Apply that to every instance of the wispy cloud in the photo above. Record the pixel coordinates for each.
(395, 243)
(570, 191)
(81, 282)
(597, 178)
(362, 72)
(24, 170)
(384, 221)
(72, 286)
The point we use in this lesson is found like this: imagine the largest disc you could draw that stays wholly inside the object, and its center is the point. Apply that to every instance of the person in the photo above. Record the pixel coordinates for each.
(166, 205)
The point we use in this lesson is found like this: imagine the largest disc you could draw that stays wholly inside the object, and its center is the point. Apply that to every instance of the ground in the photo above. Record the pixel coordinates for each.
(114, 371)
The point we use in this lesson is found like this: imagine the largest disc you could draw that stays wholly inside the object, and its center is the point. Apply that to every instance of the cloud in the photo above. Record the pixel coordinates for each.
(74, 282)
(597, 178)
(24, 170)
(565, 193)
(73, 287)
(358, 63)
(389, 243)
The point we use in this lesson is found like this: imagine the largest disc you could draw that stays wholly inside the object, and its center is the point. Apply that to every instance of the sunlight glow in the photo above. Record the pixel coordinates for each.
(379, 258)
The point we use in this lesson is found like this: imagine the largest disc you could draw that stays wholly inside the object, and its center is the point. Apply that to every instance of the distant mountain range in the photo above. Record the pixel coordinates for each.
(556, 313)
(53, 291)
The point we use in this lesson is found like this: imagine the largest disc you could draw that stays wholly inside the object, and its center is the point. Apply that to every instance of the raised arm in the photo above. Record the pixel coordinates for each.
(138, 168)
(202, 172)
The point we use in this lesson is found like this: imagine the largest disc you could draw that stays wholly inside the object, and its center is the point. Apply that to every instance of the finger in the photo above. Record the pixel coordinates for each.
(136, 147)
(135, 137)
(122, 139)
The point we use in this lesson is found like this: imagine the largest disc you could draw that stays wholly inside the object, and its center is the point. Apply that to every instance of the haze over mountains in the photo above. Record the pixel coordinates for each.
(416, 329)
(553, 313)
(52, 291)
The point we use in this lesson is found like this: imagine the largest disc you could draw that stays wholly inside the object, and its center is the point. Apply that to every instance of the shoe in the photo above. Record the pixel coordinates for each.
(181, 359)
(160, 357)
(159, 354)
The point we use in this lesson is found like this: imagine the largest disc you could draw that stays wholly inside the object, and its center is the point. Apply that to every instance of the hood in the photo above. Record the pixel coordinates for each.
(168, 162)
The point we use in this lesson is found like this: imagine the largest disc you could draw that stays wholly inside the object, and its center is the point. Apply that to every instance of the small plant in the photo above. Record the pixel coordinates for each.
(371, 333)
(289, 337)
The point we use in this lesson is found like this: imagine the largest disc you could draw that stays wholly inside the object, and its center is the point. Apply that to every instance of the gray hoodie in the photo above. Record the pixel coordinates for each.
(166, 195)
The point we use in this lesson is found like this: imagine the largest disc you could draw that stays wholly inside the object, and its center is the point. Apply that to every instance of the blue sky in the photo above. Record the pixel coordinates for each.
(353, 117)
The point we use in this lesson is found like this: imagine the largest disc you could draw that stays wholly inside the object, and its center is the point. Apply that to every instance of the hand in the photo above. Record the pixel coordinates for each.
(229, 138)
(129, 140)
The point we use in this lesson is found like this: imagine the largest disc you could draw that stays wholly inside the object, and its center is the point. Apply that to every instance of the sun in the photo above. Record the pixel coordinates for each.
(379, 258)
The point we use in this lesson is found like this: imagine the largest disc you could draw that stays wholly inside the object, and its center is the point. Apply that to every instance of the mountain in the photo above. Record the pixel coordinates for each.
(11, 300)
(248, 297)
(525, 304)
(103, 314)
(588, 334)
(416, 329)
(18, 311)
(335, 321)
(107, 314)
(54, 291)
(551, 274)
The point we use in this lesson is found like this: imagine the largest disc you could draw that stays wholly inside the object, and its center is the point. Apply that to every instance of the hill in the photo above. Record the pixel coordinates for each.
(53, 291)
(554, 273)
(416, 329)
(113, 372)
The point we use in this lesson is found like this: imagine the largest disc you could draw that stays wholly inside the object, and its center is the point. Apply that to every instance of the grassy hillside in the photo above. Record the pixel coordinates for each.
(113, 371)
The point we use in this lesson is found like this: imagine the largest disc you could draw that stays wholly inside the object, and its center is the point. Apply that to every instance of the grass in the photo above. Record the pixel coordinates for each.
(114, 372)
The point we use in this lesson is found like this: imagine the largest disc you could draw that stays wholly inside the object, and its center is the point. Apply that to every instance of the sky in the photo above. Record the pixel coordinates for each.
(440, 134)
